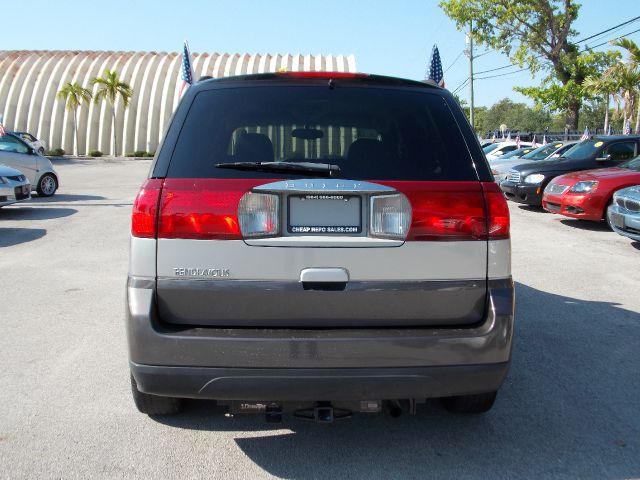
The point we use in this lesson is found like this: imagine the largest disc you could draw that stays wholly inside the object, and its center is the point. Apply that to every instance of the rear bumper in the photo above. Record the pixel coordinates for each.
(527, 194)
(268, 384)
(316, 364)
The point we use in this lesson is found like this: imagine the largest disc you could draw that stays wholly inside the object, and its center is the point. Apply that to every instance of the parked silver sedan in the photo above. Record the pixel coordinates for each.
(624, 212)
(16, 153)
(14, 186)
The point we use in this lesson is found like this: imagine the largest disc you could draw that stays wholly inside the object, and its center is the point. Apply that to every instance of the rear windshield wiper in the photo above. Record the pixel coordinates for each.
(317, 169)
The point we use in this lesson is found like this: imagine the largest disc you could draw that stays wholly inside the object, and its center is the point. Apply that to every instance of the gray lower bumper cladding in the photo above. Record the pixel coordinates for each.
(318, 364)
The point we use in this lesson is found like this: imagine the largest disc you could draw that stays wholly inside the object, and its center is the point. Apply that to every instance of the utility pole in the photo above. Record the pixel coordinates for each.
(470, 55)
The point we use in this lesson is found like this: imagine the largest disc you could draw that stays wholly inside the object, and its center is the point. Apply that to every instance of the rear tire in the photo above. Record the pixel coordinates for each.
(480, 403)
(154, 404)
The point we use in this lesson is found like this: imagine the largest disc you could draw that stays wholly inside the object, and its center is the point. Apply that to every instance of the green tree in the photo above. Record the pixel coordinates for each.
(601, 86)
(516, 116)
(535, 34)
(110, 88)
(627, 77)
(74, 95)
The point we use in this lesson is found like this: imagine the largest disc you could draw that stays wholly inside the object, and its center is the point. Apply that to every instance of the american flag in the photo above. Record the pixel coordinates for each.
(435, 68)
(585, 135)
(2, 131)
(627, 127)
(493, 138)
(518, 141)
(534, 144)
(187, 71)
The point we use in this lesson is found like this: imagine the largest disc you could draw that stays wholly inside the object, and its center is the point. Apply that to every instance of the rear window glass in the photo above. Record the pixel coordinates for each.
(371, 133)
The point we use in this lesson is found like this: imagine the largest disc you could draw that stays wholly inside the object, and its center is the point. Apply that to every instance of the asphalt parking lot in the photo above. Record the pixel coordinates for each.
(570, 407)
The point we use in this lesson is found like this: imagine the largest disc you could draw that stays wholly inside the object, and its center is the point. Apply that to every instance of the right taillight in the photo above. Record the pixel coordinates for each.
(390, 216)
(258, 215)
(497, 212)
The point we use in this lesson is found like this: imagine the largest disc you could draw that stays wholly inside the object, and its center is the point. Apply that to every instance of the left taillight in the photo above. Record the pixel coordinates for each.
(202, 209)
(144, 218)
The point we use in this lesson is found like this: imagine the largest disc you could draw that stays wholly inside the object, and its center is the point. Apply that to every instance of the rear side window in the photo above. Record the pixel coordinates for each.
(620, 151)
(371, 133)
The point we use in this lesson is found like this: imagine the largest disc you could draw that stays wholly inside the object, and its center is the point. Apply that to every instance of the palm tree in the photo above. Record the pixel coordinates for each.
(74, 94)
(110, 88)
(630, 76)
(604, 86)
(627, 81)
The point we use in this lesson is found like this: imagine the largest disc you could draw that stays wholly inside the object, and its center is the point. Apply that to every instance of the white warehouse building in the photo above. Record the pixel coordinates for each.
(30, 81)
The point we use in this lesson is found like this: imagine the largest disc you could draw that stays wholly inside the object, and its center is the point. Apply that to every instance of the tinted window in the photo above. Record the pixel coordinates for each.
(490, 148)
(371, 133)
(620, 151)
(543, 152)
(582, 150)
(633, 164)
(9, 143)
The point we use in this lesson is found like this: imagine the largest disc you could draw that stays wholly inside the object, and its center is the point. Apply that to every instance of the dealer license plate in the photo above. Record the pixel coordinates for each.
(320, 214)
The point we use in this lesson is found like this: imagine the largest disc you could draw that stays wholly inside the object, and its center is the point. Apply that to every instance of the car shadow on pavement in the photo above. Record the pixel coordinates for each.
(636, 245)
(35, 213)
(65, 197)
(532, 208)
(15, 236)
(569, 408)
(587, 225)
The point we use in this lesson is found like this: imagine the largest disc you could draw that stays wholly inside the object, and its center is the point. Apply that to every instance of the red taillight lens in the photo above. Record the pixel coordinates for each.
(444, 210)
(145, 209)
(497, 212)
(204, 209)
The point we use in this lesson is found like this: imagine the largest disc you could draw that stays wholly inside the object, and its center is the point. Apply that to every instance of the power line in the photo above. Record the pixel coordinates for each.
(453, 63)
(500, 74)
(609, 29)
(579, 41)
(461, 86)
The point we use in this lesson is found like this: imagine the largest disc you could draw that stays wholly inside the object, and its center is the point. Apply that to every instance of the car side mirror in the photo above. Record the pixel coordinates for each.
(603, 159)
(31, 151)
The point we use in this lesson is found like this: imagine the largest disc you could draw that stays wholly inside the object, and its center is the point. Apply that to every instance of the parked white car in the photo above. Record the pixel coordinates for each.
(16, 153)
(14, 186)
(38, 145)
(498, 149)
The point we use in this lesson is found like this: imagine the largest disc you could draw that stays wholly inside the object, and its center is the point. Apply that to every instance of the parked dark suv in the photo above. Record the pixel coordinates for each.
(324, 243)
(526, 183)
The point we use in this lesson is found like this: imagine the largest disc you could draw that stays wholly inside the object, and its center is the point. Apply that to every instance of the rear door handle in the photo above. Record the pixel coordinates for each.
(321, 275)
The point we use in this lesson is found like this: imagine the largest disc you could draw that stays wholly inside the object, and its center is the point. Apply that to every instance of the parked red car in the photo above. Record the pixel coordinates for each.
(587, 194)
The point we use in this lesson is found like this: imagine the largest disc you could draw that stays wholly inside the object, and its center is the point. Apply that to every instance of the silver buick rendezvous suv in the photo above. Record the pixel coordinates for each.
(319, 243)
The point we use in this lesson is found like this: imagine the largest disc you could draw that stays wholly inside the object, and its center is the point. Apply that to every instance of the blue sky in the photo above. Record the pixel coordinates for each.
(387, 37)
